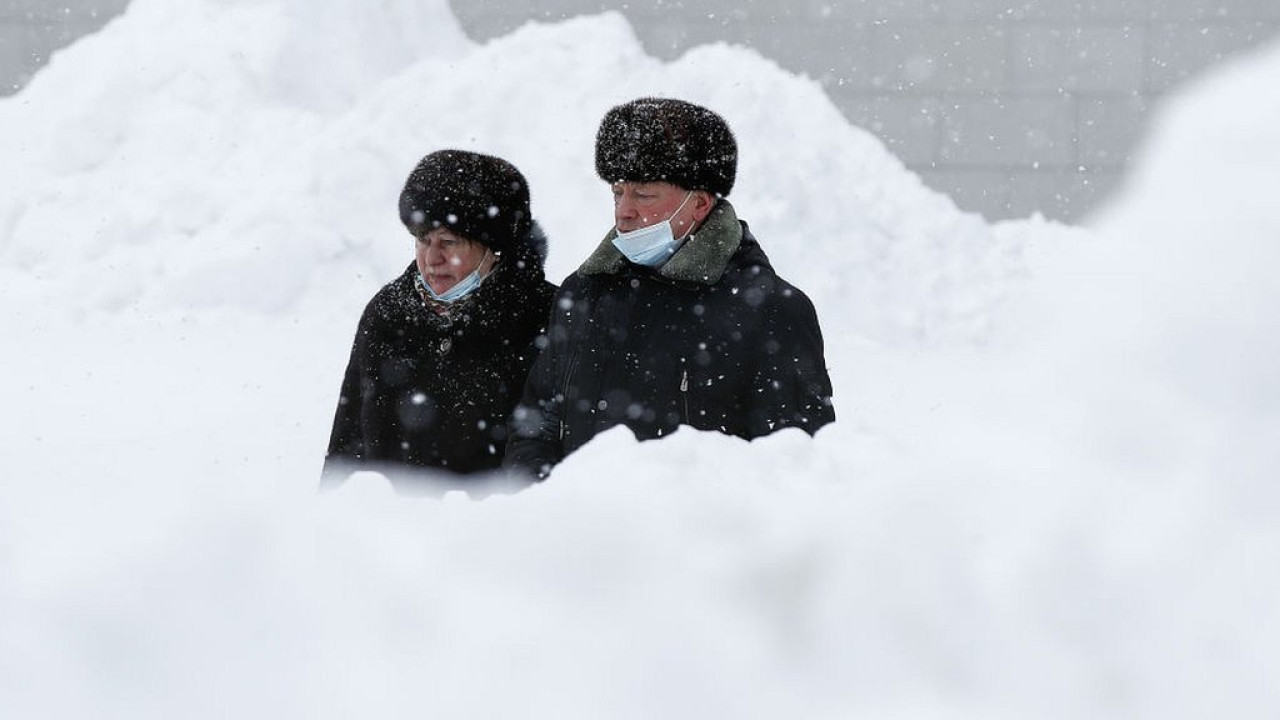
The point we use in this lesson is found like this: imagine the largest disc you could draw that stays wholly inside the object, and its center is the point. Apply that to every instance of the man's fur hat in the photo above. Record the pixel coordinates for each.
(653, 139)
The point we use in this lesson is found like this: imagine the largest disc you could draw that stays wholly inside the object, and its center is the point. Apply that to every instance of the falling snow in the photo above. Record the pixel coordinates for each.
(1049, 491)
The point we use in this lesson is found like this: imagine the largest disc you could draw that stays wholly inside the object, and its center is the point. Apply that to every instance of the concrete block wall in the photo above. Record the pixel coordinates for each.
(32, 29)
(1009, 106)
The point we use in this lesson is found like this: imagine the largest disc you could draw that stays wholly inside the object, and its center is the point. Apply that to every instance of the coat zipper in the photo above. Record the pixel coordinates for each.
(564, 394)
(684, 394)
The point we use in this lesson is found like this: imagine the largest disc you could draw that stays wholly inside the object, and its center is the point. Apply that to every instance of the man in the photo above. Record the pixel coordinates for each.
(677, 318)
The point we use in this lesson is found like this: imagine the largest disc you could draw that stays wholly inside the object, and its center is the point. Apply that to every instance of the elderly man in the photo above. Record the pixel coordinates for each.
(677, 318)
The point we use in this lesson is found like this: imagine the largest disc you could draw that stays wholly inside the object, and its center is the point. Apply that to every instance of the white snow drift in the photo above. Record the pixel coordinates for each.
(1049, 492)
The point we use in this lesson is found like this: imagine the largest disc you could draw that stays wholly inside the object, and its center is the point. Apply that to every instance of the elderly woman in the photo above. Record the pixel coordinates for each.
(441, 353)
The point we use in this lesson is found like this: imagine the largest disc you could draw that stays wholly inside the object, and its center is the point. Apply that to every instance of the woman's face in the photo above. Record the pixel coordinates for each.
(445, 257)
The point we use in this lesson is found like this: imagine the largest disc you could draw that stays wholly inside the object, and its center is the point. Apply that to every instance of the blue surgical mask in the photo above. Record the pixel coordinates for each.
(651, 245)
(465, 286)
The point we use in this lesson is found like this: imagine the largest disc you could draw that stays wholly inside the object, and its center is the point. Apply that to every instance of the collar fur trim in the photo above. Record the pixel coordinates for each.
(702, 259)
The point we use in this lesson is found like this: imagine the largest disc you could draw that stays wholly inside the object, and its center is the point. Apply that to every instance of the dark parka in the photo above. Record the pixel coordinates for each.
(713, 339)
(429, 390)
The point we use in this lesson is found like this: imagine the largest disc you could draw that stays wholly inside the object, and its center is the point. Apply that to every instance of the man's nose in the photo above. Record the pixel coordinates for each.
(625, 209)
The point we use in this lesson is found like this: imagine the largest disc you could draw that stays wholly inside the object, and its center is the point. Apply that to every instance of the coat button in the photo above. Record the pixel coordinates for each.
(445, 345)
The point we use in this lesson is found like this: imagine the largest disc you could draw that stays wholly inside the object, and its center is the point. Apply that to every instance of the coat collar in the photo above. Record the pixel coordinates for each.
(702, 259)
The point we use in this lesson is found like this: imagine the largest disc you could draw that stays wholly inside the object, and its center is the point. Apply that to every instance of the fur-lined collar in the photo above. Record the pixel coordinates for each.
(702, 259)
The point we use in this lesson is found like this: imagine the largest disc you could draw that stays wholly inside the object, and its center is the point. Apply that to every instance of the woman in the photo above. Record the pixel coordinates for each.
(441, 353)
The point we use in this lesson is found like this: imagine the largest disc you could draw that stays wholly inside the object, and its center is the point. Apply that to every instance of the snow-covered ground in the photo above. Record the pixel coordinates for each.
(1050, 492)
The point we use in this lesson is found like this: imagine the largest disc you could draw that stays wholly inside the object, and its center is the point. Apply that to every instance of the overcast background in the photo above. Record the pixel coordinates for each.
(1009, 107)
(1050, 492)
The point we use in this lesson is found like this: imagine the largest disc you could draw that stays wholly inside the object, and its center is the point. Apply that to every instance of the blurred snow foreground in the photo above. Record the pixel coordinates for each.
(1050, 491)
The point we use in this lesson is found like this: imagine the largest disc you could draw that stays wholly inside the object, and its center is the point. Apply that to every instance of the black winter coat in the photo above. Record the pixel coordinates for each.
(427, 390)
(714, 339)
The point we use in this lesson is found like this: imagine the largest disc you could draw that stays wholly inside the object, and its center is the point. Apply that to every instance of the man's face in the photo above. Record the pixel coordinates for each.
(641, 204)
(445, 257)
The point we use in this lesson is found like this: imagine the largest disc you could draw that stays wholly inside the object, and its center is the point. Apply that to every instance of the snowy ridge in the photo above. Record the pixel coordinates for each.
(1049, 493)
(184, 149)
(241, 145)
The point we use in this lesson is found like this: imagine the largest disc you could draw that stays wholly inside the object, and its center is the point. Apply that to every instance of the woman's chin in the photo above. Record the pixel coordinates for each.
(441, 288)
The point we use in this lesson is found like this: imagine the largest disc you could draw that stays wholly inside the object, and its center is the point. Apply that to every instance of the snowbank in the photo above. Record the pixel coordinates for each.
(261, 146)
(1048, 492)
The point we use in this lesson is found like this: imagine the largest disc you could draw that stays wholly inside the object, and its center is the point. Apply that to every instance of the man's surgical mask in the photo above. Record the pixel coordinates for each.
(651, 245)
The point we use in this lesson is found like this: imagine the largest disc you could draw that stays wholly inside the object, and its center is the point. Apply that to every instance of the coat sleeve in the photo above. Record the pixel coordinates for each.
(534, 445)
(790, 386)
(346, 440)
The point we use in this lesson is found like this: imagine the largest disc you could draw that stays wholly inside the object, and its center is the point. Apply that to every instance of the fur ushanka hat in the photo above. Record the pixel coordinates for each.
(654, 139)
(480, 197)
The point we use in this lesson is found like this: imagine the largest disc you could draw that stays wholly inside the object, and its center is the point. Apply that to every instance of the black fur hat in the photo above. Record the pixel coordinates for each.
(480, 197)
(675, 141)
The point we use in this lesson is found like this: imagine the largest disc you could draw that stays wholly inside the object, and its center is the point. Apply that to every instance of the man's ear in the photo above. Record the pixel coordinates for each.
(703, 201)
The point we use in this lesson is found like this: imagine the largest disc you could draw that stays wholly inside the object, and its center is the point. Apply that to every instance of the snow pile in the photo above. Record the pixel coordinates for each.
(1047, 495)
(184, 150)
(261, 146)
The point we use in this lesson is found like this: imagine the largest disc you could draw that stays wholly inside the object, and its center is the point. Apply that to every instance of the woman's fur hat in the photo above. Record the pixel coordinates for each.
(480, 197)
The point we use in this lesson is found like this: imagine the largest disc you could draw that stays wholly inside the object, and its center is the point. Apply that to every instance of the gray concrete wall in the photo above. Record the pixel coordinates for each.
(1008, 106)
(32, 29)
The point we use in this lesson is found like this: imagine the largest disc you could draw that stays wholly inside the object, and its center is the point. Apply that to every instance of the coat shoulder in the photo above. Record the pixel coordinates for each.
(752, 268)
(393, 298)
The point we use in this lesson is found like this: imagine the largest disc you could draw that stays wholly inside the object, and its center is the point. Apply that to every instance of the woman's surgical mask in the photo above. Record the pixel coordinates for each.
(463, 288)
(651, 245)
